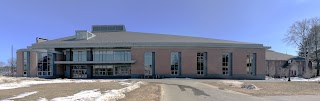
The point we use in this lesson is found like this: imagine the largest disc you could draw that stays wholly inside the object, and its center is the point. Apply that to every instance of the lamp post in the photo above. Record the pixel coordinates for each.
(317, 54)
(289, 62)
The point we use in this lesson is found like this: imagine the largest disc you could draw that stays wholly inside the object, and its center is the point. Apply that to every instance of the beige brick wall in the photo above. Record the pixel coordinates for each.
(60, 68)
(19, 63)
(189, 59)
(33, 63)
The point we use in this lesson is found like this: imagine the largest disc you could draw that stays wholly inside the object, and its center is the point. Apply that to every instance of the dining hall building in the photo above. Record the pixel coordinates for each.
(109, 51)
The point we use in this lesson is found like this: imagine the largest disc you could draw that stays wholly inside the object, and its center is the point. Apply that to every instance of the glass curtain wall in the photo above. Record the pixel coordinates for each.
(44, 64)
(79, 55)
(111, 55)
(25, 63)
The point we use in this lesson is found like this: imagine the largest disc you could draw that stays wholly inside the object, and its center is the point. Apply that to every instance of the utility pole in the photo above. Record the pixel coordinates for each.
(12, 60)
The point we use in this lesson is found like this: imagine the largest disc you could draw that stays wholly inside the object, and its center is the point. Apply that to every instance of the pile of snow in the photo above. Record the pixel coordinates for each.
(232, 83)
(250, 86)
(28, 83)
(21, 95)
(96, 95)
(294, 79)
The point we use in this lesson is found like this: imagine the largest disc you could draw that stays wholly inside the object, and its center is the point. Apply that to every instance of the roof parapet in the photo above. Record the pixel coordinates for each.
(84, 35)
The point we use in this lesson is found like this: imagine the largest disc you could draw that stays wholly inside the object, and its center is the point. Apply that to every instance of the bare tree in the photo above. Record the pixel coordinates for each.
(304, 35)
(12, 62)
(297, 35)
(315, 34)
(2, 64)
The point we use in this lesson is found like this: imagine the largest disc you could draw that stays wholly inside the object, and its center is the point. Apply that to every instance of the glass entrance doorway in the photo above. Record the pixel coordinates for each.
(79, 71)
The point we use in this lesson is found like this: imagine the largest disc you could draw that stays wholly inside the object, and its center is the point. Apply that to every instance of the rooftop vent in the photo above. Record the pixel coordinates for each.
(38, 40)
(84, 35)
(108, 28)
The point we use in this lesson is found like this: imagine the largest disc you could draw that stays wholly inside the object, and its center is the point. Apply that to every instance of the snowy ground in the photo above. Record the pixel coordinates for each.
(8, 83)
(294, 79)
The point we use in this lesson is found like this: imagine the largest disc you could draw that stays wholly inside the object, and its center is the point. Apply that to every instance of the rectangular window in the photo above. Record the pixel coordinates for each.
(251, 64)
(110, 55)
(103, 55)
(201, 62)
(225, 63)
(117, 55)
(44, 64)
(96, 56)
(175, 62)
(79, 55)
(127, 55)
(75, 56)
(148, 63)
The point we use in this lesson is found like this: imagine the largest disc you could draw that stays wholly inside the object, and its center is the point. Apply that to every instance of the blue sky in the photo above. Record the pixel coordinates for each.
(257, 21)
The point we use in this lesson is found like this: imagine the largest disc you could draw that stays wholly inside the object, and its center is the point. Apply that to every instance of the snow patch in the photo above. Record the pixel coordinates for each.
(105, 80)
(88, 95)
(28, 83)
(42, 99)
(294, 79)
(83, 81)
(6, 79)
(96, 95)
(232, 83)
(22, 95)
(113, 95)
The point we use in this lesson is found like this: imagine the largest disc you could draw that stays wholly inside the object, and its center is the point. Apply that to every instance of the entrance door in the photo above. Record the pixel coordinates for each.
(79, 71)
